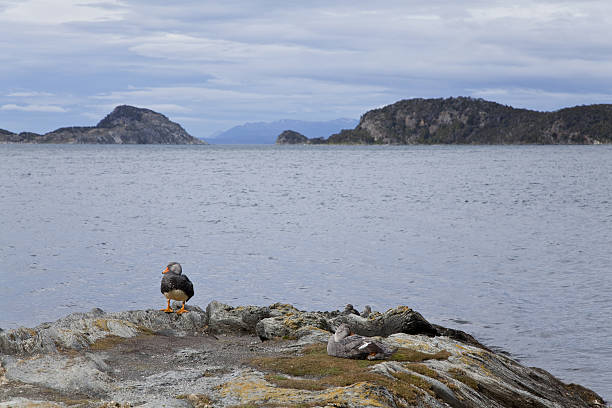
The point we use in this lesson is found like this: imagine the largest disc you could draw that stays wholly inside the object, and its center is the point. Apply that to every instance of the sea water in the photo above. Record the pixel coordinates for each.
(509, 243)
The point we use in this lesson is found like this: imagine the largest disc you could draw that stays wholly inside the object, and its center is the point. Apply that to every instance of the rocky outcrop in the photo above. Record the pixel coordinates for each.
(401, 319)
(227, 319)
(476, 121)
(124, 125)
(291, 137)
(213, 359)
(80, 331)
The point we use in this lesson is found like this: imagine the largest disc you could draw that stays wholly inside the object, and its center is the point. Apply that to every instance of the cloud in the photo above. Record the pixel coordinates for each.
(240, 61)
(32, 108)
(525, 97)
(61, 11)
(168, 108)
(28, 94)
(537, 12)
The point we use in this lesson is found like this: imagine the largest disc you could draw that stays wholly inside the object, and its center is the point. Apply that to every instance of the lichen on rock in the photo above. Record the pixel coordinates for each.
(215, 358)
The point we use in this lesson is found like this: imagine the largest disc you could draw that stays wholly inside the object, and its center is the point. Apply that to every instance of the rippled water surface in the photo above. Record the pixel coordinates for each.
(511, 244)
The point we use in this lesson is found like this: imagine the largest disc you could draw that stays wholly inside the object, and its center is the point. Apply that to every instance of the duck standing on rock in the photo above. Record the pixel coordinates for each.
(348, 345)
(176, 286)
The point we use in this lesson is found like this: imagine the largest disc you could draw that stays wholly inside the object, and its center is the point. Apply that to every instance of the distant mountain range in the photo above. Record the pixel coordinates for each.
(267, 132)
(465, 120)
(124, 125)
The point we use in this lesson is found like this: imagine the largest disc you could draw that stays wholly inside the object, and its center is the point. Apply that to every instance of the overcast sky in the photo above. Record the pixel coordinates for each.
(214, 65)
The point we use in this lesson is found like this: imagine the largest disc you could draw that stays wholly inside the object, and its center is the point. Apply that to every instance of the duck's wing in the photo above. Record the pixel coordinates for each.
(187, 286)
(352, 347)
(367, 347)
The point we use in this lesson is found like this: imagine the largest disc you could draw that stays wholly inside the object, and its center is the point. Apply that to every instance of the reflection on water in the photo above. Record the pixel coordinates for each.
(511, 244)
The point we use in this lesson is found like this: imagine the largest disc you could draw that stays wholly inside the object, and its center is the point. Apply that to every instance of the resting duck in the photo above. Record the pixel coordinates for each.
(175, 286)
(348, 345)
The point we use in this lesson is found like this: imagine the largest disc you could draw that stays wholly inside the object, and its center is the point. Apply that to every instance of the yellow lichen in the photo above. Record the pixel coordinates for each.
(106, 342)
(101, 324)
(197, 400)
(252, 389)
(316, 371)
(462, 376)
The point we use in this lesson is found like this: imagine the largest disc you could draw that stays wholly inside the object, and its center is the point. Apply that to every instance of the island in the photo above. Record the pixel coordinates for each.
(464, 120)
(124, 125)
(263, 356)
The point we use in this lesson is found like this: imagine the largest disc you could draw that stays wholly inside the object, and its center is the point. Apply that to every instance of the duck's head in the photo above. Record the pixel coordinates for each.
(173, 267)
(342, 331)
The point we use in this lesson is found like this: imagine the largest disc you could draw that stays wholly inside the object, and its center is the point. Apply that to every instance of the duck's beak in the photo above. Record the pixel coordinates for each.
(166, 270)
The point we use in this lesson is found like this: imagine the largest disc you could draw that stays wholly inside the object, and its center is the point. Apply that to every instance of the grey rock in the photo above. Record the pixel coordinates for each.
(223, 318)
(288, 326)
(367, 310)
(66, 374)
(158, 359)
(401, 319)
(78, 331)
(458, 335)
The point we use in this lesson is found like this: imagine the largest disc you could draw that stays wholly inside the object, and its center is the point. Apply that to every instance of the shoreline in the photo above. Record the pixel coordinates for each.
(236, 356)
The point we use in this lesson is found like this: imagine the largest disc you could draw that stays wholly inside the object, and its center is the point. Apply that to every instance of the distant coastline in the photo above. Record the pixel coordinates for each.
(464, 120)
(124, 125)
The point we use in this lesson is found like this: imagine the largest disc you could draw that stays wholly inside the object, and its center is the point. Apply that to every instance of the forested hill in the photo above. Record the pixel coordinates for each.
(476, 121)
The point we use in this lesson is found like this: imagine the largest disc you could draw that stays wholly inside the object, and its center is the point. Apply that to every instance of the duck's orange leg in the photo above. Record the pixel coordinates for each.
(168, 309)
(182, 309)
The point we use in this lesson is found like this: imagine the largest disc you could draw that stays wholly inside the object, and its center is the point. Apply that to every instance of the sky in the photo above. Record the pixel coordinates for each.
(213, 65)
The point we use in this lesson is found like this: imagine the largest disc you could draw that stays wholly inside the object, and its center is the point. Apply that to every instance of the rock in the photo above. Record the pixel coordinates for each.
(458, 335)
(66, 374)
(441, 390)
(291, 137)
(124, 125)
(286, 322)
(401, 319)
(80, 330)
(367, 310)
(289, 326)
(251, 388)
(29, 403)
(226, 319)
(150, 358)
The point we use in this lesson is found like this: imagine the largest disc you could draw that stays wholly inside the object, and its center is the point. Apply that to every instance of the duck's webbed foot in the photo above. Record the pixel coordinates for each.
(182, 309)
(168, 309)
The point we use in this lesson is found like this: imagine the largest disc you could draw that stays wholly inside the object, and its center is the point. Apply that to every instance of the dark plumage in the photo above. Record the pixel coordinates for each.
(346, 345)
(349, 309)
(176, 286)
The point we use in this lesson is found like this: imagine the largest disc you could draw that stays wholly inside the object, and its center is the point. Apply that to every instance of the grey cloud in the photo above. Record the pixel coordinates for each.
(237, 61)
